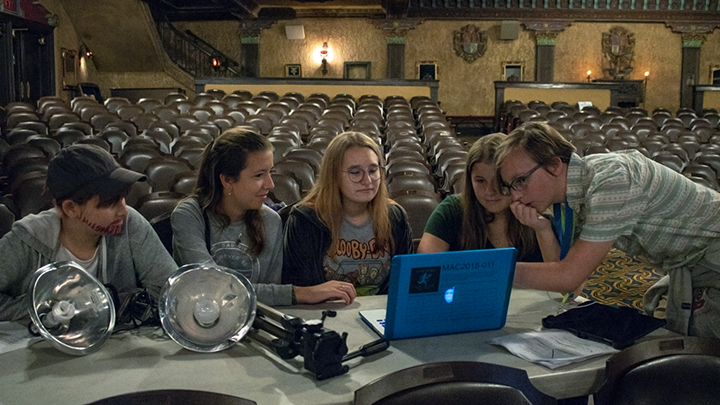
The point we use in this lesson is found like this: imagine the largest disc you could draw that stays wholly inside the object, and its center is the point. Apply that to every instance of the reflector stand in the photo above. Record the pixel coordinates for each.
(207, 308)
(70, 308)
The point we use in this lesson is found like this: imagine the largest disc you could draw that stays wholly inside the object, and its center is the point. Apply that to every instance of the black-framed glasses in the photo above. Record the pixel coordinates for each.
(357, 174)
(519, 183)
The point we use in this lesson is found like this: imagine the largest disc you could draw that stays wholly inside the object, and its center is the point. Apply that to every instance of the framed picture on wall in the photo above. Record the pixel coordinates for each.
(69, 66)
(513, 71)
(715, 75)
(356, 70)
(427, 70)
(293, 70)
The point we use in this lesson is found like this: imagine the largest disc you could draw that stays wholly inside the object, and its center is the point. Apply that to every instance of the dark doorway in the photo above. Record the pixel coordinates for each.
(28, 72)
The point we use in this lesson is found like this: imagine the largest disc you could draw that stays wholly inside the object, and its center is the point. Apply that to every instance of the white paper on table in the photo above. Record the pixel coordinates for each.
(552, 348)
(14, 336)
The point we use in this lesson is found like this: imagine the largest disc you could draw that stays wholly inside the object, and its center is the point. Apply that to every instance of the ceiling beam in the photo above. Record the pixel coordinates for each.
(242, 9)
(396, 8)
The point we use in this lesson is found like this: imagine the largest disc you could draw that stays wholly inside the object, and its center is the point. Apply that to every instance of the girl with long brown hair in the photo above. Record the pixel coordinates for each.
(226, 222)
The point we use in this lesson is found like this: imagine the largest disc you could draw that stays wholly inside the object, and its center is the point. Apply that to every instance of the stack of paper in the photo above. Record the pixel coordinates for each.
(552, 348)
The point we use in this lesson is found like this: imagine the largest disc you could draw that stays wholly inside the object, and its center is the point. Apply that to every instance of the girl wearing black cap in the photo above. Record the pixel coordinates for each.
(90, 225)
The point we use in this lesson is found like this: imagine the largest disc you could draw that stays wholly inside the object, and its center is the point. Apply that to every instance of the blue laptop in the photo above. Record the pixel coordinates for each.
(442, 293)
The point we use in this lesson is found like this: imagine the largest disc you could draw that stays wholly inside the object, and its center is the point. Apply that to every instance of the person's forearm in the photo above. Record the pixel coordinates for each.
(330, 290)
(304, 295)
(549, 276)
(566, 275)
(548, 244)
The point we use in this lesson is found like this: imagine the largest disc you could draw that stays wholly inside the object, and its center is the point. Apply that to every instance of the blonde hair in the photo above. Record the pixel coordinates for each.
(326, 198)
(539, 140)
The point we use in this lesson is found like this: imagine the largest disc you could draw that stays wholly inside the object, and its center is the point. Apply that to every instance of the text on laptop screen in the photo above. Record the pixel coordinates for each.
(449, 292)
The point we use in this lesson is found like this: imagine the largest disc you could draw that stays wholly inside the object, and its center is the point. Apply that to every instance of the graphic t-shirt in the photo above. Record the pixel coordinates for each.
(234, 255)
(356, 262)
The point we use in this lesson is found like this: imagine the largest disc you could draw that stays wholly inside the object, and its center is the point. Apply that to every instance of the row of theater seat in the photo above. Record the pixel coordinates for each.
(688, 143)
(513, 112)
(420, 144)
(665, 371)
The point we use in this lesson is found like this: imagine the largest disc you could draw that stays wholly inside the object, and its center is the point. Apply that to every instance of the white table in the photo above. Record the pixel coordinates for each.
(139, 361)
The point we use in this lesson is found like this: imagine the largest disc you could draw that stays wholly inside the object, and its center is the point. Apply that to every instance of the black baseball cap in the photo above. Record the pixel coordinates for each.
(88, 168)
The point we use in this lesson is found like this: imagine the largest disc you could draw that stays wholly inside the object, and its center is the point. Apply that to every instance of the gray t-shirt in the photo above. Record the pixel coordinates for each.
(354, 260)
(189, 246)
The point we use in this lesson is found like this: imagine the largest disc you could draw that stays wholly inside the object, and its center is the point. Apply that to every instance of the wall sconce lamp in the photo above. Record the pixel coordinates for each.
(85, 51)
(589, 72)
(324, 54)
(216, 62)
(647, 73)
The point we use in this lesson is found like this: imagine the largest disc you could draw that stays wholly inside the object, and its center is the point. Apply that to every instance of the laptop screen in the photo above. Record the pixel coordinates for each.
(449, 292)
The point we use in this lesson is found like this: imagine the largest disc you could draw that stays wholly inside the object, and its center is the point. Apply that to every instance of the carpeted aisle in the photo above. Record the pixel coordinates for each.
(621, 280)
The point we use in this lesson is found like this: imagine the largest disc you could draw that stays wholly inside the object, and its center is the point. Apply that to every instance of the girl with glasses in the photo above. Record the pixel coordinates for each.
(226, 222)
(481, 218)
(346, 228)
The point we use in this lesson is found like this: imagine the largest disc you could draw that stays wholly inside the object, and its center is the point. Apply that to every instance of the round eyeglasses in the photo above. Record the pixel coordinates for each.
(356, 174)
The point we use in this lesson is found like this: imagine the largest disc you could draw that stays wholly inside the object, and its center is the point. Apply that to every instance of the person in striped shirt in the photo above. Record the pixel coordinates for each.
(622, 200)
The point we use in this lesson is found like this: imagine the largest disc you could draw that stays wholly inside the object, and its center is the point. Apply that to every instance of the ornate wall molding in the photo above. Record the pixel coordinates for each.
(546, 31)
(647, 11)
(395, 29)
(340, 13)
(693, 33)
(686, 27)
(252, 28)
(693, 40)
(573, 10)
(545, 38)
(546, 25)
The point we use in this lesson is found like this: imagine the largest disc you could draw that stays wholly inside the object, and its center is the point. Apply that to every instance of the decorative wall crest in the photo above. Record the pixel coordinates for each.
(618, 49)
(470, 43)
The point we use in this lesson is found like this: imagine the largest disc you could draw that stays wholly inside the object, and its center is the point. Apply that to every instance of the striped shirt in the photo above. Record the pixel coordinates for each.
(649, 210)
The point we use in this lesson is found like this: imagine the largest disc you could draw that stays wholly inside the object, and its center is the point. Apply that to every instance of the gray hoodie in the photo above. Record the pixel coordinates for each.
(135, 258)
(189, 246)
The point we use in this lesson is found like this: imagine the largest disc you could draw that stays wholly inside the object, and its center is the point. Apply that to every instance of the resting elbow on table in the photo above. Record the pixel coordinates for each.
(565, 275)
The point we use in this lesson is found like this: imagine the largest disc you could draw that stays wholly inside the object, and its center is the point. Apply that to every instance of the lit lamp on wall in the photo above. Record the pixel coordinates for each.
(324, 54)
(647, 73)
(85, 51)
(589, 72)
